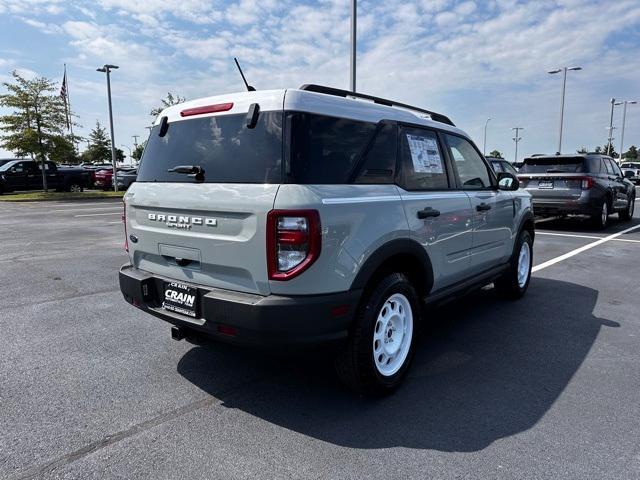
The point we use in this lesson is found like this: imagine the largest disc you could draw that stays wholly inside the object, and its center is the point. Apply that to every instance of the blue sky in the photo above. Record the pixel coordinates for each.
(471, 60)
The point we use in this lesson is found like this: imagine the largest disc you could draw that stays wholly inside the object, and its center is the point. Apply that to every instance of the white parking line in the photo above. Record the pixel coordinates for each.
(96, 209)
(589, 246)
(97, 214)
(585, 236)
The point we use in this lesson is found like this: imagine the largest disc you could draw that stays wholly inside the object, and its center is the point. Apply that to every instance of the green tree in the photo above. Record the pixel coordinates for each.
(632, 153)
(168, 101)
(119, 155)
(582, 150)
(496, 154)
(99, 149)
(137, 151)
(37, 122)
(63, 151)
(612, 152)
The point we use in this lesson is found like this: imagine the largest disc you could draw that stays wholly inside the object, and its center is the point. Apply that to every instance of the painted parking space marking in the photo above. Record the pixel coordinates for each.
(573, 235)
(97, 214)
(588, 246)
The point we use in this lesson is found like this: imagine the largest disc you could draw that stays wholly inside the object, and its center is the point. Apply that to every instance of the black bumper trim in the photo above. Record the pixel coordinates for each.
(257, 320)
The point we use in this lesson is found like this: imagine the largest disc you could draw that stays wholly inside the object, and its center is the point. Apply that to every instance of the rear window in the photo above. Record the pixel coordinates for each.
(561, 165)
(325, 150)
(222, 146)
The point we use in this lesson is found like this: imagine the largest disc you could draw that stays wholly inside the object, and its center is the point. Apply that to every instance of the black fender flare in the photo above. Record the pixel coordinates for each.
(528, 216)
(388, 250)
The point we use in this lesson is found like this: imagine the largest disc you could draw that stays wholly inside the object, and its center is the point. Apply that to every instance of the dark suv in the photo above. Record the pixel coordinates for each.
(583, 184)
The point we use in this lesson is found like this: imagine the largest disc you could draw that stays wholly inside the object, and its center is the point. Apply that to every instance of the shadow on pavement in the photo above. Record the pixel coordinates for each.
(488, 369)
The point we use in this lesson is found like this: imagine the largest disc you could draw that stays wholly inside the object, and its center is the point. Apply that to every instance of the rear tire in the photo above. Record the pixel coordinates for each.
(627, 214)
(601, 218)
(515, 281)
(381, 342)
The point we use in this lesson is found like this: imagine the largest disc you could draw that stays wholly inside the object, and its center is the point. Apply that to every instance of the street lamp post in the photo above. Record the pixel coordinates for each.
(107, 69)
(352, 76)
(564, 87)
(624, 118)
(613, 102)
(517, 139)
(484, 145)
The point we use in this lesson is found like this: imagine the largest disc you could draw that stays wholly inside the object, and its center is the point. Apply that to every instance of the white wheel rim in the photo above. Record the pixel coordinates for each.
(75, 188)
(605, 213)
(524, 264)
(392, 334)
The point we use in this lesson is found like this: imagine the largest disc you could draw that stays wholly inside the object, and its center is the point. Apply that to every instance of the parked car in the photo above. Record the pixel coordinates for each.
(336, 228)
(104, 177)
(501, 165)
(631, 171)
(583, 184)
(19, 175)
(125, 179)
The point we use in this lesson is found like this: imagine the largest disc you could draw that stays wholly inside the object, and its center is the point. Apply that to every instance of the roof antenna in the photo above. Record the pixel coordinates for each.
(249, 87)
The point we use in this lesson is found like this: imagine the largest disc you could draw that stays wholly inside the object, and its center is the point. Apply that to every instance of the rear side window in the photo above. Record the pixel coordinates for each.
(608, 166)
(423, 165)
(379, 162)
(323, 149)
(559, 165)
(222, 146)
(472, 171)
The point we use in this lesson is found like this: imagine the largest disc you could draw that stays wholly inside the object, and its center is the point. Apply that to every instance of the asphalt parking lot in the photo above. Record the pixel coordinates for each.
(543, 388)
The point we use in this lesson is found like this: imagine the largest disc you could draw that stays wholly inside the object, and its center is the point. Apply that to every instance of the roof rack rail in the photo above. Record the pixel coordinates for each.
(438, 117)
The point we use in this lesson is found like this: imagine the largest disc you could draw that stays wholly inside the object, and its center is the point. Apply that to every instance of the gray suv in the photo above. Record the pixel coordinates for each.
(317, 215)
(583, 184)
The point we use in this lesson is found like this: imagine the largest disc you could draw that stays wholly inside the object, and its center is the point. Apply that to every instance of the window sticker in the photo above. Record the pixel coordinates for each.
(425, 154)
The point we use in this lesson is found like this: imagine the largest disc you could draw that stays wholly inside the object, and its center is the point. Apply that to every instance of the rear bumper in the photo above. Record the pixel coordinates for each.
(586, 205)
(253, 319)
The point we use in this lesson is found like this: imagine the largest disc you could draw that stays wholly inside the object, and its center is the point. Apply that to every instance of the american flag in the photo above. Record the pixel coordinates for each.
(63, 94)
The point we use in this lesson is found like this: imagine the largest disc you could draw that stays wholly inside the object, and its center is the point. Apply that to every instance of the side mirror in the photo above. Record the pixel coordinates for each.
(508, 181)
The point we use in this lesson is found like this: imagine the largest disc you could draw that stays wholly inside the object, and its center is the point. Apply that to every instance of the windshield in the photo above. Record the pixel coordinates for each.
(7, 165)
(555, 165)
(222, 146)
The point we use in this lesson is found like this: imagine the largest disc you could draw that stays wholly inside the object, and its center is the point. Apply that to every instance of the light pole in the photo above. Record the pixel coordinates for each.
(613, 102)
(624, 118)
(135, 140)
(352, 76)
(564, 87)
(484, 145)
(516, 139)
(107, 69)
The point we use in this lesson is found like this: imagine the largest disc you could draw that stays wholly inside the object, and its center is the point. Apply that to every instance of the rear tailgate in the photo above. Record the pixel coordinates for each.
(205, 234)
(553, 186)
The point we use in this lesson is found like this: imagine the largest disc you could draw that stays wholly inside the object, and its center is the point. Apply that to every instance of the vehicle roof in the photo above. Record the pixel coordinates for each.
(568, 155)
(307, 101)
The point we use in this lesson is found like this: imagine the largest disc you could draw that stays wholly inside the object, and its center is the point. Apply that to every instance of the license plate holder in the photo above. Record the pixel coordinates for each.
(545, 184)
(180, 298)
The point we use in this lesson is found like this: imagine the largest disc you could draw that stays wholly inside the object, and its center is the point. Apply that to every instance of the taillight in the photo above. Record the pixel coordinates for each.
(124, 221)
(293, 242)
(587, 183)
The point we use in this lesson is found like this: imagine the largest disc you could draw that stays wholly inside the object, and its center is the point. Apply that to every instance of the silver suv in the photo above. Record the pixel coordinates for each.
(317, 215)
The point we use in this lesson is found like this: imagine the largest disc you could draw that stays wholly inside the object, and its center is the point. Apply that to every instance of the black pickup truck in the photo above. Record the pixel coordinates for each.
(20, 175)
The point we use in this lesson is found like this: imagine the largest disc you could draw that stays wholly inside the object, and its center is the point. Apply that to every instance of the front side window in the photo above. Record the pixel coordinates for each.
(497, 167)
(472, 171)
(423, 165)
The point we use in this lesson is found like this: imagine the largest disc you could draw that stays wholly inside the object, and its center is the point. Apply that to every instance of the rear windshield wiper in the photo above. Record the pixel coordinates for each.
(191, 170)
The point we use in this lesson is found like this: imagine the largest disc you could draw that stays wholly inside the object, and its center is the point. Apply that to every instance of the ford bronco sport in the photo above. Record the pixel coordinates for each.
(315, 214)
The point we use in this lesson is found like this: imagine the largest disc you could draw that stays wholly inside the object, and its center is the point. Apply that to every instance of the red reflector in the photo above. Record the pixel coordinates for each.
(227, 330)
(220, 107)
(339, 311)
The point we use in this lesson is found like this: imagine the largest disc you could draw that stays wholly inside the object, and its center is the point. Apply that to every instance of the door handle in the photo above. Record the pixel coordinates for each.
(427, 212)
(483, 207)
